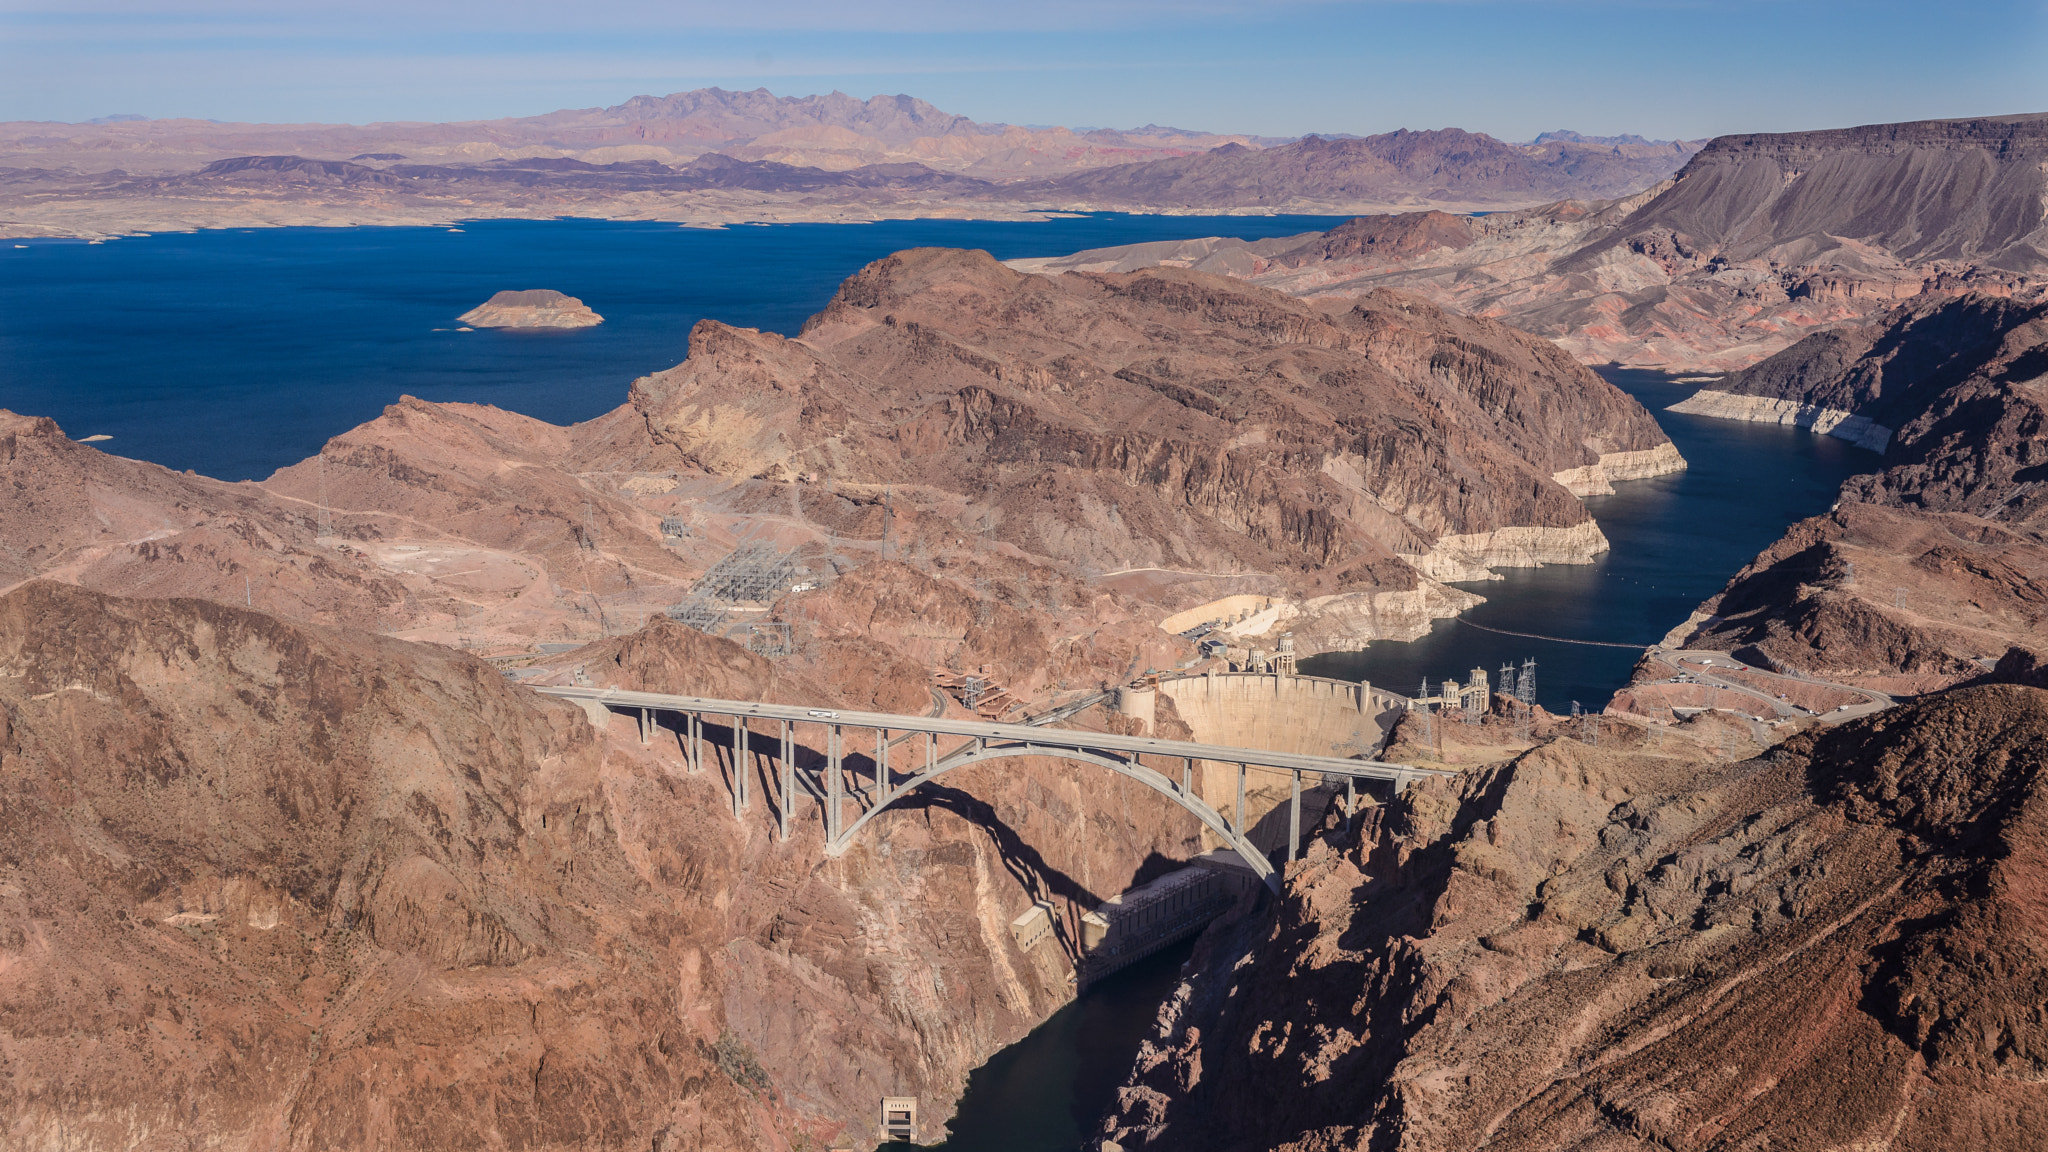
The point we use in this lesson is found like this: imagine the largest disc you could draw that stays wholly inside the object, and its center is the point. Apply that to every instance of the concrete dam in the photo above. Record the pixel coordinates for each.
(1279, 712)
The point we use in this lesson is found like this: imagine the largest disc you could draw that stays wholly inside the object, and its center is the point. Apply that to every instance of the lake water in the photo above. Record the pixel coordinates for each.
(1676, 541)
(235, 353)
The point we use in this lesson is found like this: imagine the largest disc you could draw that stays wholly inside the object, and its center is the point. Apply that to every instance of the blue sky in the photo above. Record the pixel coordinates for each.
(1513, 68)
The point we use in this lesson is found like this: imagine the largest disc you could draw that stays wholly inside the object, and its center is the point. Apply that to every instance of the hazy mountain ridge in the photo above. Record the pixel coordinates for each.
(830, 131)
(684, 157)
(1441, 165)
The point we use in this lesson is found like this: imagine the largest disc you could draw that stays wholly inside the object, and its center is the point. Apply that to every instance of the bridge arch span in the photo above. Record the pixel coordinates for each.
(1158, 781)
(982, 741)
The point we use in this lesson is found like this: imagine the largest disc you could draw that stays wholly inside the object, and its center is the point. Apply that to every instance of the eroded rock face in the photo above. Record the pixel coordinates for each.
(1831, 945)
(531, 308)
(306, 887)
(1172, 420)
(1757, 241)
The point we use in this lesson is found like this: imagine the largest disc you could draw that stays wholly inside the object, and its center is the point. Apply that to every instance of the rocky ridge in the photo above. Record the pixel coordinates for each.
(1756, 241)
(1928, 571)
(1268, 435)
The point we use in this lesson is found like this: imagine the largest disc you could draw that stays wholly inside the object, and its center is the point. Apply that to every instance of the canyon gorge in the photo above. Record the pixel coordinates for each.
(295, 856)
(969, 470)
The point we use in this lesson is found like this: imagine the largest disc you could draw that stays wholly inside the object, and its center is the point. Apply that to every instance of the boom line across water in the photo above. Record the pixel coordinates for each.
(1552, 639)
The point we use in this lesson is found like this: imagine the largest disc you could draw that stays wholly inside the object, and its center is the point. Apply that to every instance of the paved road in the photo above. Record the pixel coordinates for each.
(1699, 664)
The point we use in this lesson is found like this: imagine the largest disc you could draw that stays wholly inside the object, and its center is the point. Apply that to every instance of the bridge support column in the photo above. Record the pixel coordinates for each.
(788, 760)
(1294, 819)
(742, 763)
(1187, 776)
(832, 785)
(1237, 825)
(695, 753)
(1350, 800)
(882, 780)
(647, 726)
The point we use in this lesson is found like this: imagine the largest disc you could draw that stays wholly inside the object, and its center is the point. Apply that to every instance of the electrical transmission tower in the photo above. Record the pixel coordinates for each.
(1428, 714)
(1525, 695)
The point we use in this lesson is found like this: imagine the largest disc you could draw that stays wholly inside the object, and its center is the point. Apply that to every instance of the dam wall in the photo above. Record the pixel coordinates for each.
(1311, 715)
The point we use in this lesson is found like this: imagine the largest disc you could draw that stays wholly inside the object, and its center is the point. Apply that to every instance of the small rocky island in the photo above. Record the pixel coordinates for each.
(532, 308)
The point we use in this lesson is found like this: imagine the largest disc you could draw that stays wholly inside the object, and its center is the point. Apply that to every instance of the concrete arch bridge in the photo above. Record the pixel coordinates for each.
(915, 742)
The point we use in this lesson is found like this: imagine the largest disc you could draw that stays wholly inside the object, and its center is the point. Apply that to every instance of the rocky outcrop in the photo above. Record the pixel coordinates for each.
(1611, 947)
(1757, 241)
(531, 308)
(1474, 555)
(1859, 382)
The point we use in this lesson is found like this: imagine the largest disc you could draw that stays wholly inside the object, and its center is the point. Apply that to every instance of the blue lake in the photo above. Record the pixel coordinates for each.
(235, 353)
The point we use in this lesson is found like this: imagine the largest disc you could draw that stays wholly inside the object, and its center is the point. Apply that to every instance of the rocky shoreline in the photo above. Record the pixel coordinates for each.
(1857, 430)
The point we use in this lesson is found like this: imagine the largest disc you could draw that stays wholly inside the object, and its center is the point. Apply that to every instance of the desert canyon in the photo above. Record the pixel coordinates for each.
(296, 855)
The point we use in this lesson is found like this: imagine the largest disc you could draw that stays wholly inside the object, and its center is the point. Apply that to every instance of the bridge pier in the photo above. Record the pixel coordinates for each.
(788, 788)
(882, 780)
(1237, 824)
(694, 756)
(742, 760)
(832, 785)
(1294, 819)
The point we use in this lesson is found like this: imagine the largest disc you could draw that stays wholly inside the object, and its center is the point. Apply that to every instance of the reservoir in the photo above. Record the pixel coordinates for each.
(236, 353)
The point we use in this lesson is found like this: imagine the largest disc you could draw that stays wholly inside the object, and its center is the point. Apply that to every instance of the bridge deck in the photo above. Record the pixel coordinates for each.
(1053, 740)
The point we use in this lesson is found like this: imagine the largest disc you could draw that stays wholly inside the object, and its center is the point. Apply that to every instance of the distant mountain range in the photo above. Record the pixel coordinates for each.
(716, 156)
